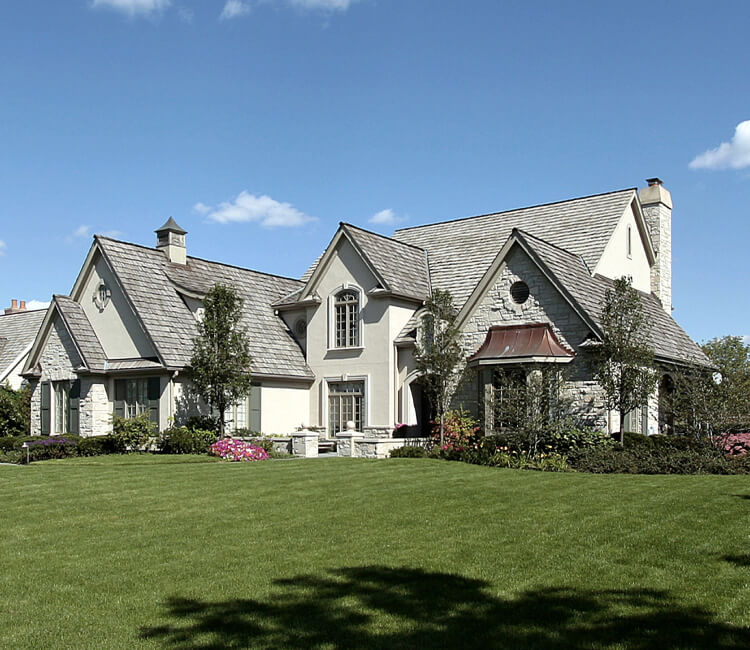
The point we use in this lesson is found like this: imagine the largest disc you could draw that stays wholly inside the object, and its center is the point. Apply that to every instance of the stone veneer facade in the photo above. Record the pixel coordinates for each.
(544, 305)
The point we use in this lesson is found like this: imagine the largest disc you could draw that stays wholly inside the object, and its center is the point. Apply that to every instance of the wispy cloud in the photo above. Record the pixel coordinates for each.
(264, 210)
(84, 232)
(3, 248)
(234, 9)
(386, 217)
(335, 5)
(37, 304)
(734, 154)
(185, 14)
(133, 7)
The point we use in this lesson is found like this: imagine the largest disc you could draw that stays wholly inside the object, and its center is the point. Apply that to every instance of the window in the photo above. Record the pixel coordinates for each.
(345, 403)
(519, 292)
(629, 242)
(510, 397)
(59, 407)
(245, 413)
(134, 397)
(346, 318)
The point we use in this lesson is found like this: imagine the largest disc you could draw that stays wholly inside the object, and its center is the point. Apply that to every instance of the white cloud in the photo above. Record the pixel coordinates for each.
(234, 9)
(340, 5)
(82, 232)
(3, 248)
(202, 208)
(133, 7)
(37, 304)
(385, 217)
(262, 209)
(113, 234)
(186, 14)
(728, 155)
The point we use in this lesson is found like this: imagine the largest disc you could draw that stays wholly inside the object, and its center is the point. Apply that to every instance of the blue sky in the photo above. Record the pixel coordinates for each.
(260, 124)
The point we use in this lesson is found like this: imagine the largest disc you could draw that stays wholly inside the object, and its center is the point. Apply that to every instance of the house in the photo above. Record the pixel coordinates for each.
(337, 344)
(18, 327)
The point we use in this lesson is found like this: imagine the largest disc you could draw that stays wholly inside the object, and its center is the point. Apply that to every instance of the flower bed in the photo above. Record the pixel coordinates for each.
(237, 450)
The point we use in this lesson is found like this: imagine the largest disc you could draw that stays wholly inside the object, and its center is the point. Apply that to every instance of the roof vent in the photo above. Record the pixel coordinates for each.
(170, 239)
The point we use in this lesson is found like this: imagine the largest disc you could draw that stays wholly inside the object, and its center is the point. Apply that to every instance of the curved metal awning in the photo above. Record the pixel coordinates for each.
(532, 343)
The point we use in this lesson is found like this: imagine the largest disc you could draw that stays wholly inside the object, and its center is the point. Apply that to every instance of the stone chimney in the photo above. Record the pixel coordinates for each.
(656, 202)
(14, 308)
(170, 239)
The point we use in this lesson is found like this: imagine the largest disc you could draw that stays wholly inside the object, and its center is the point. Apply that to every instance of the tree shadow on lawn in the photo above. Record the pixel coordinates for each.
(740, 560)
(382, 607)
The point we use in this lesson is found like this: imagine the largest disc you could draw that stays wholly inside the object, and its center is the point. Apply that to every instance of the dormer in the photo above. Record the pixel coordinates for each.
(170, 239)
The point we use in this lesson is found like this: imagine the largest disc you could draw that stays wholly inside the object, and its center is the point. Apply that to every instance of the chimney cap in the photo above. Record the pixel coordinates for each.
(654, 181)
(170, 225)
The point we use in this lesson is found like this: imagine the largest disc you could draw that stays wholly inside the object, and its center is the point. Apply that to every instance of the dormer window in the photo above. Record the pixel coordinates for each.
(346, 315)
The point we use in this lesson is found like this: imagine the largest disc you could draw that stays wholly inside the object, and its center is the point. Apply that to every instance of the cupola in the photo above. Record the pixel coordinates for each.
(170, 239)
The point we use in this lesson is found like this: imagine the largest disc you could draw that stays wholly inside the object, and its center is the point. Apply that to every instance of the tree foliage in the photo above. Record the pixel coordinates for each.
(15, 409)
(221, 357)
(623, 363)
(438, 355)
(715, 402)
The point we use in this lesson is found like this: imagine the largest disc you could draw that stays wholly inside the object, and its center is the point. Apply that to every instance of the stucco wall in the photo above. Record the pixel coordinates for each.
(284, 407)
(615, 263)
(115, 324)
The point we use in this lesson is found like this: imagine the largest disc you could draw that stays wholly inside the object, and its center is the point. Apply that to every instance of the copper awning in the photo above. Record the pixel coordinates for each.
(535, 342)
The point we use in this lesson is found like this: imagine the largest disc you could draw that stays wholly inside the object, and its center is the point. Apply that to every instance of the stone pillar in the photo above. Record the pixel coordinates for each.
(345, 441)
(305, 443)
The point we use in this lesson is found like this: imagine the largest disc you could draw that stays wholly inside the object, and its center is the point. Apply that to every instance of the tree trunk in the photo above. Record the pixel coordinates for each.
(442, 427)
(622, 427)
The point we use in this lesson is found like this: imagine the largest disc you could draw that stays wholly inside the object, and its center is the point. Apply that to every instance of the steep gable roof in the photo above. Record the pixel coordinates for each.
(17, 333)
(153, 286)
(461, 251)
(82, 332)
(400, 267)
(570, 272)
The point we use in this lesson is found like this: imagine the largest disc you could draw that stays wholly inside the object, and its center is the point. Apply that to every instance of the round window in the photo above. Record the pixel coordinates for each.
(519, 292)
(300, 327)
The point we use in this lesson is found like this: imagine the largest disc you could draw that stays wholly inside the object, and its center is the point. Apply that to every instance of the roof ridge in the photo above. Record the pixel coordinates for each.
(377, 234)
(200, 259)
(25, 311)
(527, 207)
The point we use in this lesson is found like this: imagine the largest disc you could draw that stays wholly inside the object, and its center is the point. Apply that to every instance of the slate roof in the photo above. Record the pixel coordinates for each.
(152, 284)
(82, 332)
(402, 265)
(461, 251)
(17, 333)
(667, 338)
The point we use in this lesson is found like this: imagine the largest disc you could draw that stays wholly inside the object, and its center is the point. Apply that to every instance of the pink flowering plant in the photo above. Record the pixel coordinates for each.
(461, 432)
(237, 450)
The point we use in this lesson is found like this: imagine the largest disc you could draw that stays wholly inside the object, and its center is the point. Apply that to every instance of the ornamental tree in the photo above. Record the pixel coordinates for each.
(221, 358)
(438, 354)
(623, 363)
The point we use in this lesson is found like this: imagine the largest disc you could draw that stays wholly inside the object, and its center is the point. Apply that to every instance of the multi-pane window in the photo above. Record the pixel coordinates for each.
(346, 314)
(59, 407)
(135, 397)
(245, 413)
(345, 403)
(62, 406)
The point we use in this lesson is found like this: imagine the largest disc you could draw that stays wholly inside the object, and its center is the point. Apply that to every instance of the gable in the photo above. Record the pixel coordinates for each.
(113, 320)
(627, 252)
(57, 353)
(545, 303)
(341, 264)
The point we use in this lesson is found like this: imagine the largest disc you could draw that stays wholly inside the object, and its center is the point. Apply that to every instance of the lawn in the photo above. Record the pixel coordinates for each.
(148, 551)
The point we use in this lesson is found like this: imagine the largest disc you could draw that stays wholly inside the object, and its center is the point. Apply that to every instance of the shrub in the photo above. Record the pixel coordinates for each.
(461, 431)
(132, 434)
(203, 423)
(97, 446)
(636, 440)
(51, 448)
(237, 450)
(563, 442)
(181, 440)
(409, 451)
(735, 443)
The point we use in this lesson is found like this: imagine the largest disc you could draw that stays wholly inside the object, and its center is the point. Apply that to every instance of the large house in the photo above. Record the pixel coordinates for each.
(337, 345)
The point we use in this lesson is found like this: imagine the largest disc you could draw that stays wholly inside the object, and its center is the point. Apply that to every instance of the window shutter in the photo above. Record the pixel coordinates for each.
(74, 396)
(153, 394)
(120, 398)
(254, 419)
(44, 409)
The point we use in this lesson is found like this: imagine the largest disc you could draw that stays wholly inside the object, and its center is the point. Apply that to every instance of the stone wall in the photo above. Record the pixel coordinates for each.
(544, 305)
(95, 407)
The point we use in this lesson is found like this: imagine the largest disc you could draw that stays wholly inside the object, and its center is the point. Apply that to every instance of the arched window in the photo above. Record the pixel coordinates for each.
(629, 242)
(346, 314)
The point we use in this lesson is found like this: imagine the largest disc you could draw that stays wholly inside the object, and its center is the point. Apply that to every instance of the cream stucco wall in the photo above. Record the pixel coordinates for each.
(284, 407)
(115, 325)
(13, 377)
(374, 362)
(615, 262)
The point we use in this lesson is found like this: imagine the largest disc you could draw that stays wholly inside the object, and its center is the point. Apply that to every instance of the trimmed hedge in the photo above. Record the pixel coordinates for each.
(409, 451)
(48, 448)
(181, 440)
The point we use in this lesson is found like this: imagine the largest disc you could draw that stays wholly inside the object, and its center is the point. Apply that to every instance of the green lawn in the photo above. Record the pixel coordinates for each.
(148, 551)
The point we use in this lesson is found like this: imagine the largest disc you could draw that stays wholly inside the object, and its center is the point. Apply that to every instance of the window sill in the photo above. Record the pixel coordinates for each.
(352, 348)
